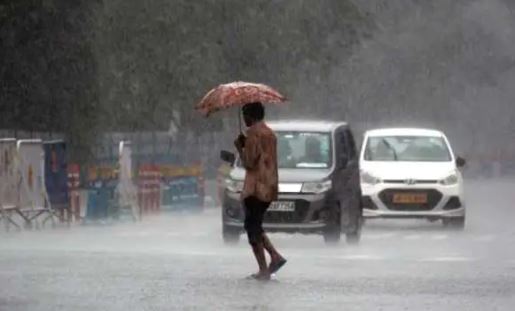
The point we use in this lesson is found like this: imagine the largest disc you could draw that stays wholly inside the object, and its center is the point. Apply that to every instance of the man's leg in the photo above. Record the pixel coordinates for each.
(272, 251)
(259, 253)
(276, 259)
(252, 226)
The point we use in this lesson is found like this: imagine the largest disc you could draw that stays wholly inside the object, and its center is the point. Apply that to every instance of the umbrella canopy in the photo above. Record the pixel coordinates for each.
(237, 94)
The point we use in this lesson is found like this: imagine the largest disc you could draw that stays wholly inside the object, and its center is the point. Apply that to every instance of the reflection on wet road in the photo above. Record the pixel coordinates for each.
(178, 261)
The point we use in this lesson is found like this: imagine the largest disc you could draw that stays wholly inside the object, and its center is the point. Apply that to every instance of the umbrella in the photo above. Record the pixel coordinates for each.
(237, 94)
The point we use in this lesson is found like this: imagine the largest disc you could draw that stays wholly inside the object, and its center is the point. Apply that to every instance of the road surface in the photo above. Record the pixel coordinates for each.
(177, 261)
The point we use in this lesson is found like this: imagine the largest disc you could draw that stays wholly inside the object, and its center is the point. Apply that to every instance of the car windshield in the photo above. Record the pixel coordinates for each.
(407, 148)
(303, 150)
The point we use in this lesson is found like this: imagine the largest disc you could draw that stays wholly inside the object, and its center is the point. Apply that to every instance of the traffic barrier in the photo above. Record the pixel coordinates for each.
(155, 189)
(74, 193)
(111, 189)
(149, 188)
(126, 192)
(98, 203)
(8, 183)
(183, 186)
(101, 181)
(56, 178)
(33, 198)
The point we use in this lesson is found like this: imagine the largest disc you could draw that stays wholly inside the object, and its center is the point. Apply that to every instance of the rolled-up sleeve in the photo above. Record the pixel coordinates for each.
(250, 154)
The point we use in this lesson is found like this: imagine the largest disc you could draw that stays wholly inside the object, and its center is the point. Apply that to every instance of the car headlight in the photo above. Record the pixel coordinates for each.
(234, 185)
(367, 178)
(452, 179)
(317, 187)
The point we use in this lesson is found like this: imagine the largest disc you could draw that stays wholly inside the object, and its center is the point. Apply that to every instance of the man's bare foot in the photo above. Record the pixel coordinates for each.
(260, 276)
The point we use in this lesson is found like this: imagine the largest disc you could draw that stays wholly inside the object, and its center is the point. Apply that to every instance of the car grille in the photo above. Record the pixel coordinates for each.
(433, 198)
(413, 182)
(298, 216)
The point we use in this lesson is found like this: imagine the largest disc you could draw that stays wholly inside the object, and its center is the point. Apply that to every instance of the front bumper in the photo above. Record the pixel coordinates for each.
(444, 201)
(297, 227)
(310, 213)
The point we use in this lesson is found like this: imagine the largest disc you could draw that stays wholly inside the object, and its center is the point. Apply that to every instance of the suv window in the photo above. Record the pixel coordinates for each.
(303, 150)
(407, 148)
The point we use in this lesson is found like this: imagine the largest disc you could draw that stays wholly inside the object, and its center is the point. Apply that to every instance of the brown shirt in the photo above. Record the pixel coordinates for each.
(259, 158)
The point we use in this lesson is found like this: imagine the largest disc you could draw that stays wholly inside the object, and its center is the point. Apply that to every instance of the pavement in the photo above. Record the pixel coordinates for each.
(177, 261)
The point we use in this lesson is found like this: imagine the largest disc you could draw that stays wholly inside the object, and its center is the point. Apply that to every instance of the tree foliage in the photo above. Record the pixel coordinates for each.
(87, 67)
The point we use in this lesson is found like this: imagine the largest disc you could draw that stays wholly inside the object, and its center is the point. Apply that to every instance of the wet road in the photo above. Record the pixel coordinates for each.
(178, 261)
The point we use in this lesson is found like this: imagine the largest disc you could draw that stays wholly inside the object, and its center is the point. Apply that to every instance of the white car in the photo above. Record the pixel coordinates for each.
(411, 173)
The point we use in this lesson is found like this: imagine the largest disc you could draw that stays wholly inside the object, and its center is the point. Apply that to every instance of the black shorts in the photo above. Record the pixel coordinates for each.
(255, 210)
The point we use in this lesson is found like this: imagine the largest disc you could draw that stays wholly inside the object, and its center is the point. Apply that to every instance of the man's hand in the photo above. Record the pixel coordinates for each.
(239, 142)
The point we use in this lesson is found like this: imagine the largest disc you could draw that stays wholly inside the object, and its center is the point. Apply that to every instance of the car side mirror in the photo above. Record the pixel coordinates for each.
(227, 156)
(344, 161)
(460, 162)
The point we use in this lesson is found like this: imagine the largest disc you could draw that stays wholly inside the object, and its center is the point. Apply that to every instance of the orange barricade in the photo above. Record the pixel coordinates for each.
(73, 188)
(142, 188)
(155, 189)
(149, 188)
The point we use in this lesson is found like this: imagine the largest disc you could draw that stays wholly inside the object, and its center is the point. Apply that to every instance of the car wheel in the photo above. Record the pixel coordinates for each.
(333, 231)
(457, 223)
(230, 235)
(332, 235)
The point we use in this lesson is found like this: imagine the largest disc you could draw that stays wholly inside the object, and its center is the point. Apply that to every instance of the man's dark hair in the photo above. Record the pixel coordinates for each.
(254, 110)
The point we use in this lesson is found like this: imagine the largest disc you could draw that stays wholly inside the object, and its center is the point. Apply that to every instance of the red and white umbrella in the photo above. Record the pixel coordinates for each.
(237, 94)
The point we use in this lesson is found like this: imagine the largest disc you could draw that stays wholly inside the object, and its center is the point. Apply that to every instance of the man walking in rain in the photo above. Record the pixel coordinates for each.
(258, 154)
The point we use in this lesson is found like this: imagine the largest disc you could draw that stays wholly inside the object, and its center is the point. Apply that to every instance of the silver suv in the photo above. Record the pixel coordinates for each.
(319, 189)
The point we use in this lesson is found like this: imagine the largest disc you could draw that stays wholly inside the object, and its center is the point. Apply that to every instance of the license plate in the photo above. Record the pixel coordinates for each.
(282, 206)
(410, 198)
